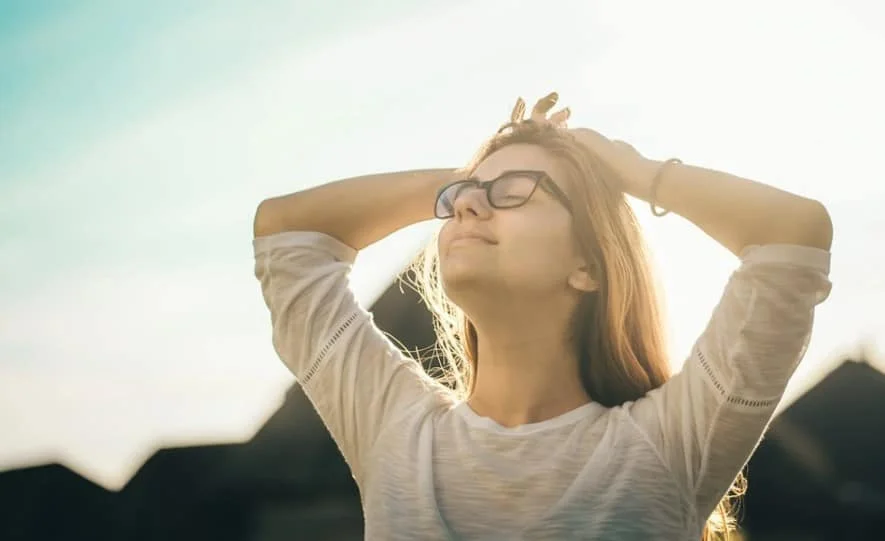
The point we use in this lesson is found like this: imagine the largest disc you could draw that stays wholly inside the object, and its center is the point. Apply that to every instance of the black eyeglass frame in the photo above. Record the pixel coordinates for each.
(540, 177)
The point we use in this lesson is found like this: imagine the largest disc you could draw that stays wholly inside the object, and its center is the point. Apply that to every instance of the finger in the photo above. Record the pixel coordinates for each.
(518, 111)
(539, 111)
(560, 118)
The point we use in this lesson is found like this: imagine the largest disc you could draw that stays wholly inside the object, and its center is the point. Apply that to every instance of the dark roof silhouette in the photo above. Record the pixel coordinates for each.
(822, 463)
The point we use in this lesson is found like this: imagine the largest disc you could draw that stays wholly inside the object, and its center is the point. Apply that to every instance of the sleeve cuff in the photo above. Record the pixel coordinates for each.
(791, 254)
(305, 239)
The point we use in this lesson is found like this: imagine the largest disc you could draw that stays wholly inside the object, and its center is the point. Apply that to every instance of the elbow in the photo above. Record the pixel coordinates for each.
(263, 223)
(817, 226)
(803, 222)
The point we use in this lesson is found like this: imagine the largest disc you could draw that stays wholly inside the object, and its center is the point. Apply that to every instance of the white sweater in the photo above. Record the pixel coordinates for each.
(429, 468)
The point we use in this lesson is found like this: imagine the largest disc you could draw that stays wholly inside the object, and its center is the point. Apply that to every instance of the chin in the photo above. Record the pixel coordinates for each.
(459, 276)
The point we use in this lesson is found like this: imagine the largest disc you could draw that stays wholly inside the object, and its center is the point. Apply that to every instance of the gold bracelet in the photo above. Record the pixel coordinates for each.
(654, 187)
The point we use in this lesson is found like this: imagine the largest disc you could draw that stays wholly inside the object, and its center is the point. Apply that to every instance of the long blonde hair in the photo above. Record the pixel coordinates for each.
(618, 329)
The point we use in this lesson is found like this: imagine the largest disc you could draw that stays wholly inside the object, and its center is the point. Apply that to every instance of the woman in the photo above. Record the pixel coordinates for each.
(563, 421)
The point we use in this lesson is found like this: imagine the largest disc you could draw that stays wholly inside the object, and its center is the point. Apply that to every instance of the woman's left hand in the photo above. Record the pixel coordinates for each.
(634, 170)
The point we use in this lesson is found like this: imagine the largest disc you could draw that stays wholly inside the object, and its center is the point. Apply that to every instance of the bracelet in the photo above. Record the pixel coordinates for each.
(654, 187)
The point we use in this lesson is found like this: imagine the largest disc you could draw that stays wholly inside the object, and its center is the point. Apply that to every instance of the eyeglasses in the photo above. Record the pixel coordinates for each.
(510, 190)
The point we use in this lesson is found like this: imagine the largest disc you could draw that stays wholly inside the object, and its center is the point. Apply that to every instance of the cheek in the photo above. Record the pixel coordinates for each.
(543, 247)
(442, 236)
(540, 232)
(542, 255)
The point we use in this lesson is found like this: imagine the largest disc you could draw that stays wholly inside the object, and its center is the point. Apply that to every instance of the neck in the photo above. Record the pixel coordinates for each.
(527, 371)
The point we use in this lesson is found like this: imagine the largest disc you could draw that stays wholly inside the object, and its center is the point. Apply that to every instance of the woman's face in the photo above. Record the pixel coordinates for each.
(528, 250)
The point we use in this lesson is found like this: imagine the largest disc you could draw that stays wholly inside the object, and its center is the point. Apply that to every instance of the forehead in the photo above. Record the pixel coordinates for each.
(520, 156)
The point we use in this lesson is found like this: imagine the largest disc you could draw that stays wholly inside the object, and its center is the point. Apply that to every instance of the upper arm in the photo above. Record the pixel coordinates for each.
(707, 420)
(355, 377)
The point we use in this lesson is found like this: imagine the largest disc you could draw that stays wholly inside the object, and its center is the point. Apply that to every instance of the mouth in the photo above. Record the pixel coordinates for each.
(469, 240)
(473, 238)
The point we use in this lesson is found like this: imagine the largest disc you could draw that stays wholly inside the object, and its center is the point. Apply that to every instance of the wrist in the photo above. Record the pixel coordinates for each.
(639, 178)
(435, 179)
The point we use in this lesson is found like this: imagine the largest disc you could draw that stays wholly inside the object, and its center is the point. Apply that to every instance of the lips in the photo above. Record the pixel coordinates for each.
(472, 236)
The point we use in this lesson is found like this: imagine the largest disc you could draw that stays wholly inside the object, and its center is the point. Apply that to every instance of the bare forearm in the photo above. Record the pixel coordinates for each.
(738, 212)
(357, 211)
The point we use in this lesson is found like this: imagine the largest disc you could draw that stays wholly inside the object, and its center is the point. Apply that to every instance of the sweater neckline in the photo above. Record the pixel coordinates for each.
(475, 420)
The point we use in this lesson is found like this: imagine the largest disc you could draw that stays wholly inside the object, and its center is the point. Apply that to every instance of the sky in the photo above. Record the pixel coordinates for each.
(137, 140)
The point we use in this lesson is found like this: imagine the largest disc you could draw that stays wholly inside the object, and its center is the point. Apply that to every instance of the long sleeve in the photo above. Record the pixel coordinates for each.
(356, 378)
(708, 419)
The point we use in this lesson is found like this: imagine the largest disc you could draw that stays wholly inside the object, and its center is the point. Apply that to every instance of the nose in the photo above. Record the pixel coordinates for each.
(474, 202)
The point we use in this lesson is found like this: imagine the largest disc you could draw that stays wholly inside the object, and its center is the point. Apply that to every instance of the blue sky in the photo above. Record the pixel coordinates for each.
(137, 140)
(73, 71)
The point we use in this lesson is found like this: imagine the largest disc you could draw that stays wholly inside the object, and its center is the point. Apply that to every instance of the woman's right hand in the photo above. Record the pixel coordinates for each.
(540, 112)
